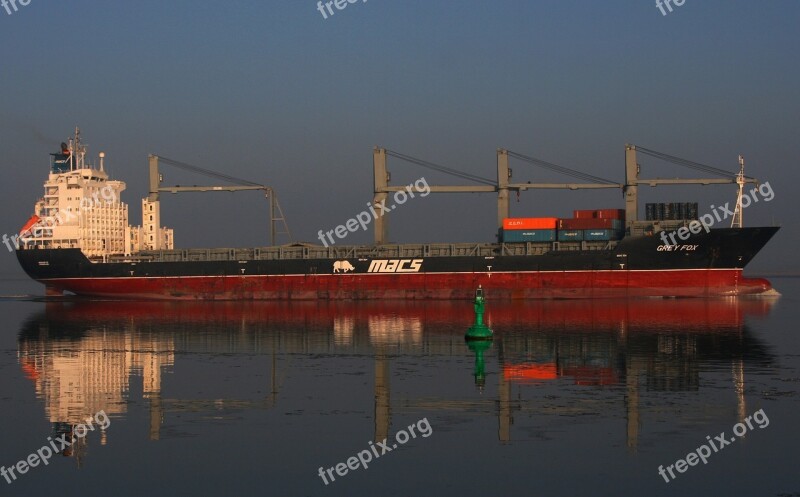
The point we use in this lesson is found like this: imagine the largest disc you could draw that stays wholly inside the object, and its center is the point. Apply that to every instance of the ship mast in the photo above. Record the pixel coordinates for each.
(737, 214)
(77, 152)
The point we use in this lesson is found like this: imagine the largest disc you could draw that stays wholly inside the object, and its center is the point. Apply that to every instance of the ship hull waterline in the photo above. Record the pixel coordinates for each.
(455, 286)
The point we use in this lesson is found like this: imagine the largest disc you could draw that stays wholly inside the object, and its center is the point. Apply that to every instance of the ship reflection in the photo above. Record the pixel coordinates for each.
(81, 356)
(656, 345)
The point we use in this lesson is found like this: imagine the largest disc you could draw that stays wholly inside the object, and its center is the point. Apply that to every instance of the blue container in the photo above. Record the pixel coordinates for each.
(601, 235)
(518, 236)
(570, 235)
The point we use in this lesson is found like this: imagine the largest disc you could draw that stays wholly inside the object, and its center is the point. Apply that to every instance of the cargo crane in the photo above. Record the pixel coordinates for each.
(502, 186)
(275, 213)
(632, 181)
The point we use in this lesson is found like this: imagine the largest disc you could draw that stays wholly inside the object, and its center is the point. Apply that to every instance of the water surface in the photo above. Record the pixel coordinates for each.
(570, 398)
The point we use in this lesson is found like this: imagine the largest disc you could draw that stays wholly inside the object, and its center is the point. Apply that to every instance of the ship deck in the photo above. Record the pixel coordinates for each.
(406, 250)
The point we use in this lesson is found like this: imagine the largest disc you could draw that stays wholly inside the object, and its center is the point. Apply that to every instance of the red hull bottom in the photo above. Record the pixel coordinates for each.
(439, 286)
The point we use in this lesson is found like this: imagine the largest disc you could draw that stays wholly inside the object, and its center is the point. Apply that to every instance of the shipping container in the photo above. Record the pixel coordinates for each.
(680, 208)
(676, 211)
(610, 214)
(584, 214)
(516, 236)
(588, 224)
(530, 223)
(570, 235)
(691, 210)
(592, 235)
(650, 212)
(668, 212)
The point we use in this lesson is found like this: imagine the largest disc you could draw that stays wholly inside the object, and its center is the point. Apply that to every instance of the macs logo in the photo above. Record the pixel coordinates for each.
(395, 266)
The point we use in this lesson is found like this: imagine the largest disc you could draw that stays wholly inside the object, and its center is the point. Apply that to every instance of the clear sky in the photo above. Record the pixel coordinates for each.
(274, 92)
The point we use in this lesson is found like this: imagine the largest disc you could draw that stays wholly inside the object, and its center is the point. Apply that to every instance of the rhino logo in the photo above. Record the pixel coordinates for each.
(342, 267)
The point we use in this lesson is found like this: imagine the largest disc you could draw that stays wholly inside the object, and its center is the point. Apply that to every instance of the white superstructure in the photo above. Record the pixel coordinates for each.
(82, 208)
(151, 235)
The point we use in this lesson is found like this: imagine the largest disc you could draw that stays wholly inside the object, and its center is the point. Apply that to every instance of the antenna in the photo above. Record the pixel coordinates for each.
(71, 148)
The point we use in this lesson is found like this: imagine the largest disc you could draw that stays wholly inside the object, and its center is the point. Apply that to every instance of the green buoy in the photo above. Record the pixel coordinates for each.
(479, 331)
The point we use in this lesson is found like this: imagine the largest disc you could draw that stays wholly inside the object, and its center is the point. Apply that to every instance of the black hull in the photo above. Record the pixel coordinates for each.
(706, 264)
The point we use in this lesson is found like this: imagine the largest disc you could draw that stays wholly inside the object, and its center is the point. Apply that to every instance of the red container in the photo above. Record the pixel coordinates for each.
(611, 214)
(530, 223)
(586, 224)
(583, 214)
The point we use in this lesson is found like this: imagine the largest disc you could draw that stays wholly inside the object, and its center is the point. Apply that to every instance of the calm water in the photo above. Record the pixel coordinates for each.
(570, 398)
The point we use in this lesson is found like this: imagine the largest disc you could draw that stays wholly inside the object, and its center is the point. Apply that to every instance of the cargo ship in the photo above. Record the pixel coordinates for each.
(79, 241)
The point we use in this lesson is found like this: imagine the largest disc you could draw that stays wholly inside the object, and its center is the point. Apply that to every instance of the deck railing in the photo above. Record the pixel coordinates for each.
(388, 251)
